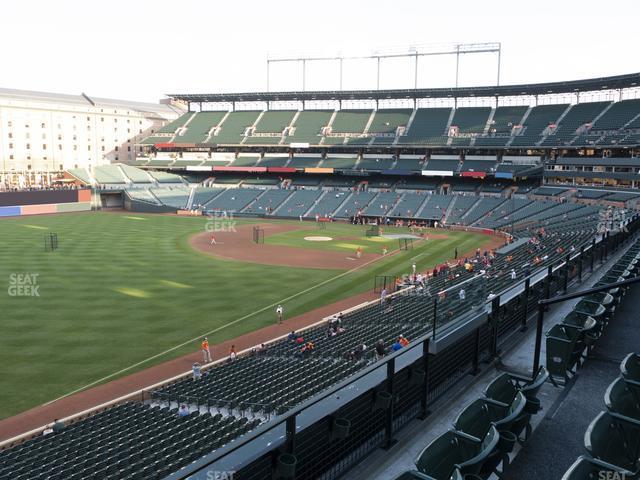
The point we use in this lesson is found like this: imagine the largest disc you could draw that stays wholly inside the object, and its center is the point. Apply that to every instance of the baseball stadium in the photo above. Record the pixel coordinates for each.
(427, 283)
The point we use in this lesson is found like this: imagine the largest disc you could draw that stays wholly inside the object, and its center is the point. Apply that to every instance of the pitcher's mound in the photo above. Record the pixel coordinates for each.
(315, 238)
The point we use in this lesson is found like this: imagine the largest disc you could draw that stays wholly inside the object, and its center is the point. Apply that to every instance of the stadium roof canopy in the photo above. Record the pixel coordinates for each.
(573, 86)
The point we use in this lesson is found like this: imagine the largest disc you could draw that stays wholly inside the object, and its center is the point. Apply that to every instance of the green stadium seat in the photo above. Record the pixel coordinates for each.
(586, 468)
(614, 439)
(619, 398)
(455, 450)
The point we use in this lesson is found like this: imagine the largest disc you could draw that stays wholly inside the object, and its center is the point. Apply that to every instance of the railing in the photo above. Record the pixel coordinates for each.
(429, 376)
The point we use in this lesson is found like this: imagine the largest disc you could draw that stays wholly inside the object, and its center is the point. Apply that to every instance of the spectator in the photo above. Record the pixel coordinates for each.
(197, 372)
(380, 349)
(184, 411)
(396, 346)
(300, 340)
(403, 341)
(48, 429)
(58, 426)
(292, 336)
(232, 353)
(206, 353)
(513, 274)
(383, 296)
(280, 313)
(462, 294)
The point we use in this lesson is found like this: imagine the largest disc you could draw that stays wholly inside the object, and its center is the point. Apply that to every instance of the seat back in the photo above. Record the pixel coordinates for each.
(630, 367)
(610, 439)
(585, 467)
(620, 399)
(474, 420)
(502, 389)
(439, 458)
(477, 454)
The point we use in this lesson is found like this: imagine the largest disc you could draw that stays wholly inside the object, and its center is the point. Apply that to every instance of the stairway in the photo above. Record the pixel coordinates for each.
(318, 200)
(604, 110)
(175, 135)
(369, 122)
(339, 207)
(190, 200)
(470, 209)
(450, 208)
(422, 207)
(254, 200)
(557, 122)
(213, 129)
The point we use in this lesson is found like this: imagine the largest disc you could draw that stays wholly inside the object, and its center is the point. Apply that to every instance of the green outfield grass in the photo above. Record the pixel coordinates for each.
(346, 238)
(124, 287)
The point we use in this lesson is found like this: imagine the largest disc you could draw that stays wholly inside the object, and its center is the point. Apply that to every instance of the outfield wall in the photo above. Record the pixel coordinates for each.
(36, 202)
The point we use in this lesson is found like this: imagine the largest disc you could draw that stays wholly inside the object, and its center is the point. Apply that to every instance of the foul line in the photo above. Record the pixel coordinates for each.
(222, 327)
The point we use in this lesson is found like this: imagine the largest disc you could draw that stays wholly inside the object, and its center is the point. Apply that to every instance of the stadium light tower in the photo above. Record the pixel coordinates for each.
(414, 52)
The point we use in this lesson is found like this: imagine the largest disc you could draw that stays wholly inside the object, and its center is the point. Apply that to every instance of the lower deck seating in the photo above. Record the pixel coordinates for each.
(173, 197)
(268, 201)
(233, 199)
(128, 441)
(299, 203)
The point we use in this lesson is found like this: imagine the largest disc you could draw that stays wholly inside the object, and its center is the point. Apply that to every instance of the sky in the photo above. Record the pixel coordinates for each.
(142, 50)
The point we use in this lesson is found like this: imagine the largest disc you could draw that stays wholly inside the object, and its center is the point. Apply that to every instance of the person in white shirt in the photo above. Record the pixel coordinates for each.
(280, 313)
(513, 274)
(462, 294)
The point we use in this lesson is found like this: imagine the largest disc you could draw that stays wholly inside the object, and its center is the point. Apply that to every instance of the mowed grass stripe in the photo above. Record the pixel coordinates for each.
(81, 328)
